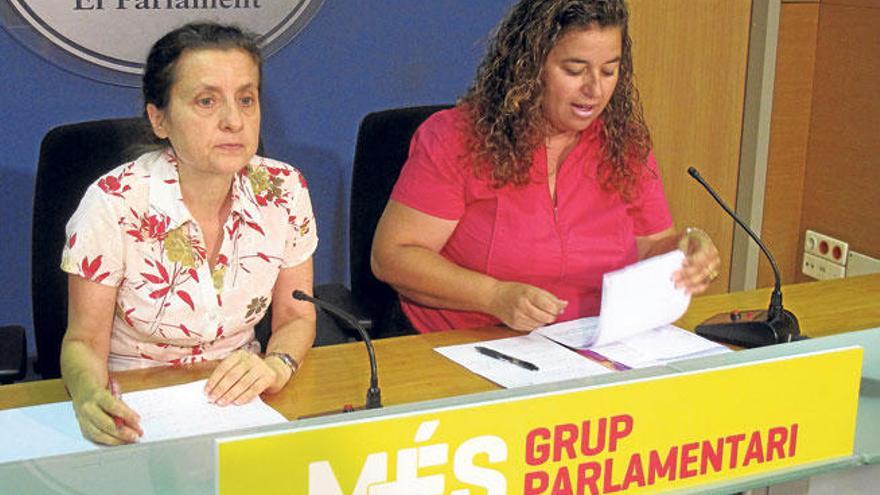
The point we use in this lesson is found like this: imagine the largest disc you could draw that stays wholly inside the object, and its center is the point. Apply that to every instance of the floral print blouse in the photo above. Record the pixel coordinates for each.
(133, 231)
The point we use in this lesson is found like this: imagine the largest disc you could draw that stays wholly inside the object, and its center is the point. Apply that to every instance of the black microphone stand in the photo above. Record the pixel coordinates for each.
(750, 328)
(374, 395)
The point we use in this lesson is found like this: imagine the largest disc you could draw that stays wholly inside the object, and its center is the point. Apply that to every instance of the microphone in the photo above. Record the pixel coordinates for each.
(750, 328)
(374, 395)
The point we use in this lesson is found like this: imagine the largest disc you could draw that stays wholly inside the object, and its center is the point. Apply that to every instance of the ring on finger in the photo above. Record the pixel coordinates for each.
(711, 274)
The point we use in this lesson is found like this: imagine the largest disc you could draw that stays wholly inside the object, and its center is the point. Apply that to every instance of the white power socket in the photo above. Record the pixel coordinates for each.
(820, 268)
(826, 247)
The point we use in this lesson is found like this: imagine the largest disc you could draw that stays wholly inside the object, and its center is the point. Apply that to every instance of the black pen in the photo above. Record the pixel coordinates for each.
(492, 353)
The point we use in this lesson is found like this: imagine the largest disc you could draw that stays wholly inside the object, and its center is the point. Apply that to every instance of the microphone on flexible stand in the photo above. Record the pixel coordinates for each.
(374, 395)
(750, 328)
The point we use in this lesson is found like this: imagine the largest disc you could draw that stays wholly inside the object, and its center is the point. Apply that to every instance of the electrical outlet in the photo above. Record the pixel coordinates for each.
(826, 247)
(820, 268)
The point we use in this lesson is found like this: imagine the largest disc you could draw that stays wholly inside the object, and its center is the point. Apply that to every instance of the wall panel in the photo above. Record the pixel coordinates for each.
(789, 133)
(843, 170)
(690, 62)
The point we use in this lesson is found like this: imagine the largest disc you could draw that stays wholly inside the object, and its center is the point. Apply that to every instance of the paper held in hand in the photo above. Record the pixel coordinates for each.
(633, 330)
(639, 303)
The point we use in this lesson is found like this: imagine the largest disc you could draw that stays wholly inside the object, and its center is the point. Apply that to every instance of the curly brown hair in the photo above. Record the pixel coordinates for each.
(504, 102)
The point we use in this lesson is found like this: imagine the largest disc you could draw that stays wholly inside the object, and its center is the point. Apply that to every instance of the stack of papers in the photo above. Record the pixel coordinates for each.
(554, 362)
(652, 347)
(632, 331)
(169, 412)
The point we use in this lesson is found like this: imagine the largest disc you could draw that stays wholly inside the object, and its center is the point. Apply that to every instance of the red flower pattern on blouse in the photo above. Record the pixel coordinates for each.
(132, 230)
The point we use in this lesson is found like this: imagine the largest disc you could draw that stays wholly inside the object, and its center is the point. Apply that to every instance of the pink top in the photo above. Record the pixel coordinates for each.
(516, 233)
(133, 231)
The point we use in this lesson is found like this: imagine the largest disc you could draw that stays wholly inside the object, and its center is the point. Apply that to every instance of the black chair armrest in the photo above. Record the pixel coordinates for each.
(13, 353)
(341, 297)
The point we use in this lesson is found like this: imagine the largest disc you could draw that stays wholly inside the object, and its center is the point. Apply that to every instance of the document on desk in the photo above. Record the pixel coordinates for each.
(658, 346)
(634, 329)
(168, 412)
(553, 361)
(184, 411)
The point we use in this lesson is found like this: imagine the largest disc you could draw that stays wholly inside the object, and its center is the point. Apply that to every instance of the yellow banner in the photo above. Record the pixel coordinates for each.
(641, 436)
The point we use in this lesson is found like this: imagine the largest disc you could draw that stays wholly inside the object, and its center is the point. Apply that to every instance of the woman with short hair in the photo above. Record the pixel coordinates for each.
(174, 257)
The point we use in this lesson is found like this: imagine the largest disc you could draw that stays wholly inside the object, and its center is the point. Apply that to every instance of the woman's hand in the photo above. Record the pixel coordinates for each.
(524, 307)
(701, 263)
(244, 375)
(84, 351)
(97, 411)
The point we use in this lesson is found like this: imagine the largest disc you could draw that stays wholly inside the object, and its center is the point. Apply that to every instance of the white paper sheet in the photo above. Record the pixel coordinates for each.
(658, 346)
(633, 330)
(554, 362)
(168, 412)
(577, 334)
(652, 347)
(640, 297)
(184, 410)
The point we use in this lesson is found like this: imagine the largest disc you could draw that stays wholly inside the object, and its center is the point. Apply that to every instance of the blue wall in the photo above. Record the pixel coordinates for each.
(353, 58)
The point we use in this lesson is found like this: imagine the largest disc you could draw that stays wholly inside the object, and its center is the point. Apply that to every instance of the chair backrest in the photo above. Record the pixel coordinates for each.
(382, 148)
(72, 156)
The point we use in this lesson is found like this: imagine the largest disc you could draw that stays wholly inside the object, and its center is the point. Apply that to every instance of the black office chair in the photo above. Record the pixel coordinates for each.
(72, 157)
(382, 148)
(13, 354)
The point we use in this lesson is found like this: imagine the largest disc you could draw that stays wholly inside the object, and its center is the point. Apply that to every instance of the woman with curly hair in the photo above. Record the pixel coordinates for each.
(512, 205)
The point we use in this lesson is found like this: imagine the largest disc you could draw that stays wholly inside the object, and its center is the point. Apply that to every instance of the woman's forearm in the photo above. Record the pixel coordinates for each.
(86, 342)
(294, 338)
(82, 367)
(428, 278)
(657, 244)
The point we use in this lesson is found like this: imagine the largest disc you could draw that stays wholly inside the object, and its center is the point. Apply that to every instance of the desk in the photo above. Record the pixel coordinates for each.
(411, 372)
(822, 308)
(336, 375)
